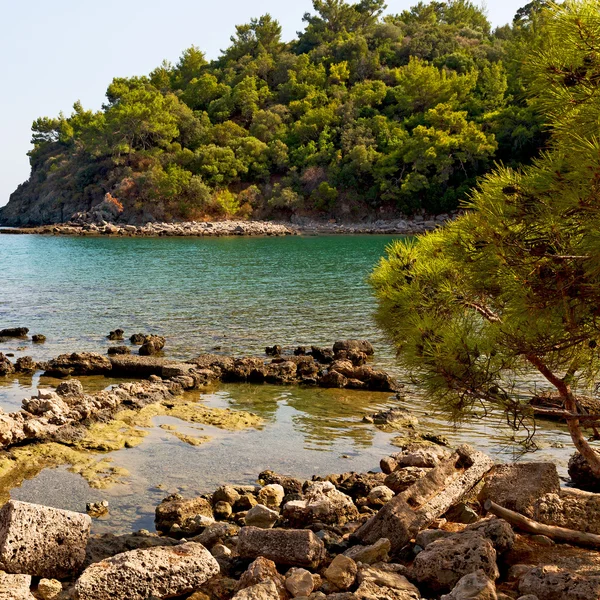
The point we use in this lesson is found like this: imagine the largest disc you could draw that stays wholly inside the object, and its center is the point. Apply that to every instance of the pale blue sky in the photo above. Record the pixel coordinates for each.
(60, 51)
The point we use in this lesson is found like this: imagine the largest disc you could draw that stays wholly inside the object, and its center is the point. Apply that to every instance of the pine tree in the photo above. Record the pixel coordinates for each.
(510, 292)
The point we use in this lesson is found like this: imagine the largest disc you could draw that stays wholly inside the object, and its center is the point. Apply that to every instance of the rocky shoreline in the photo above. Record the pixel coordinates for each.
(300, 226)
(423, 526)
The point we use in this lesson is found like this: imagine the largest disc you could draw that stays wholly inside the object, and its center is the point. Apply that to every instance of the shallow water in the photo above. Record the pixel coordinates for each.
(237, 295)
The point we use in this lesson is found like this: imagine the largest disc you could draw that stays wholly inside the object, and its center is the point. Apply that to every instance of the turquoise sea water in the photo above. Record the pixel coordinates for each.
(235, 295)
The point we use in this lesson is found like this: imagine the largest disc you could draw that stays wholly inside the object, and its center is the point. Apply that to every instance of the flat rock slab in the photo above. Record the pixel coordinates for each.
(295, 547)
(42, 541)
(15, 587)
(163, 572)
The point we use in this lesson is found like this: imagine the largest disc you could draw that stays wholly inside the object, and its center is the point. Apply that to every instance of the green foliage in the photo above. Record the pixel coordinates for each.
(397, 112)
(514, 284)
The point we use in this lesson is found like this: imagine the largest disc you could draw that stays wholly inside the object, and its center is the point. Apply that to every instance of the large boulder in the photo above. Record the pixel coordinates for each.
(294, 547)
(322, 502)
(14, 332)
(571, 508)
(153, 344)
(6, 367)
(354, 346)
(498, 531)
(42, 541)
(162, 572)
(518, 486)
(442, 564)
(76, 364)
(175, 509)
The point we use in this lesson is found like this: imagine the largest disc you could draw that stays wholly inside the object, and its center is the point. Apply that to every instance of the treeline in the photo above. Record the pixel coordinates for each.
(361, 113)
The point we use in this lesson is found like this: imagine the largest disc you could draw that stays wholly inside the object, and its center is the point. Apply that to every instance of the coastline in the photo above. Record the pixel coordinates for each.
(302, 226)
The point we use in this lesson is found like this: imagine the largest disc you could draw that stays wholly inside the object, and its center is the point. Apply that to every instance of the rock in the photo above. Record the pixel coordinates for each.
(403, 478)
(444, 562)
(271, 495)
(426, 457)
(551, 583)
(226, 493)
(299, 582)
(461, 513)
(380, 495)
(38, 338)
(25, 365)
(368, 590)
(222, 510)
(245, 502)
(283, 546)
(273, 350)
(115, 335)
(261, 516)
(153, 344)
(322, 502)
(542, 540)
(118, 350)
(14, 332)
(526, 597)
(97, 509)
(425, 537)
(259, 571)
(354, 346)
(70, 389)
(176, 509)
(426, 500)
(581, 474)
(322, 355)
(139, 574)
(220, 551)
(356, 485)
(518, 486)
(216, 533)
(572, 509)
(498, 531)
(42, 541)
(395, 418)
(49, 589)
(15, 587)
(333, 379)
(76, 364)
(193, 525)
(369, 555)
(137, 339)
(290, 484)
(341, 572)
(267, 590)
(474, 586)
(6, 367)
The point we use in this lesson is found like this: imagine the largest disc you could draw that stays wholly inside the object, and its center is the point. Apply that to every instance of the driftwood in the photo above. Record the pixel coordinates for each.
(561, 534)
(429, 498)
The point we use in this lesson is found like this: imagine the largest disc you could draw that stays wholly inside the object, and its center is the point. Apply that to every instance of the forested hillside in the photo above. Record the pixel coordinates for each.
(362, 114)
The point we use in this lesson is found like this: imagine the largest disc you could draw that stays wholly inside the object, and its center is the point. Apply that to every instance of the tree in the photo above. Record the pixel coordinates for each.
(513, 287)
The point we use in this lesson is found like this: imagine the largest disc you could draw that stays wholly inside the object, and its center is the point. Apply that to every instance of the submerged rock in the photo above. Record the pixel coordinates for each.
(38, 338)
(6, 367)
(152, 344)
(76, 364)
(116, 335)
(14, 332)
(582, 475)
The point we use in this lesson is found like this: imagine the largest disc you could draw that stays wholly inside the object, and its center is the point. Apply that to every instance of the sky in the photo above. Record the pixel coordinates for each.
(66, 50)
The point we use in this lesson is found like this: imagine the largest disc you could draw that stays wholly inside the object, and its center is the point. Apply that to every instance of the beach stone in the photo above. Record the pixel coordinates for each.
(356, 485)
(369, 555)
(299, 582)
(222, 510)
(26, 365)
(259, 571)
(333, 379)
(426, 457)
(176, 509)
(368, 590)
(474, 586)
(216, 533)
(290, 485)
(14, 332)
(139, 574)
(49, 589)
(266, 590)
(341, 572)
(226, 493)
(322, 502)
(42, 541)
(550, 583)
(518, 487)
(38, 338)
(526, 597)
(425, 537)
(220, 551)
(572, 509)
(15, 587)
(261, 516)
(498, 531)
(271, 495)
(294, 547)
(444, 562)
(70, 389)
(380, 495)
(385, 575)
(137, 339)
(582, 475)
(116, 335)
(118, 350)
